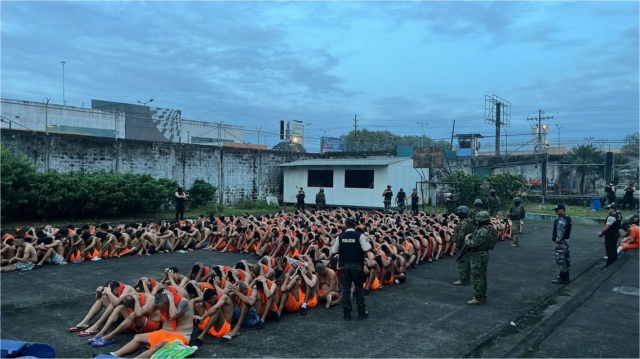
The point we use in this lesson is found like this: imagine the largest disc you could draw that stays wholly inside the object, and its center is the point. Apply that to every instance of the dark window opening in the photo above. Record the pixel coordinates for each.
(358, 179)
(466, 143)
(320, 178)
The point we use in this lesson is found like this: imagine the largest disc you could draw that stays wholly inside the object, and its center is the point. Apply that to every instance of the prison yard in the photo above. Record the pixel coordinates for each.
(525, 314)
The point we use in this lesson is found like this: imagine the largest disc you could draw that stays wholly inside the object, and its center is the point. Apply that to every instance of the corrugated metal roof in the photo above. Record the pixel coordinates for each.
(347, 162)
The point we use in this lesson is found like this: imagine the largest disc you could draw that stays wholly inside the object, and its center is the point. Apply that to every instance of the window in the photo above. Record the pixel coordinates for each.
(465, 143)
(358, 179)
(320, 178)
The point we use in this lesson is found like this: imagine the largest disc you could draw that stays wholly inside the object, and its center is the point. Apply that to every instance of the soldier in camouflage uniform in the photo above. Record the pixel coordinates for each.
(450, 204)
(516, 214)
(561, 237)
(477, 207)
(464, 228)
(493, 203)
(480, 244)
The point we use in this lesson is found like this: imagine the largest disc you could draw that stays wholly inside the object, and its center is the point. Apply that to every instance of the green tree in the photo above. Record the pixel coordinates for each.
(507, 187)
(365, 140)
(467, 185)
(289, 147)
(584, 161)
(201, 194)
(17, 174)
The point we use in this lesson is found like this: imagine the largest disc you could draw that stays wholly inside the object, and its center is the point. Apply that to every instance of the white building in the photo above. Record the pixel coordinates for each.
(355, 182)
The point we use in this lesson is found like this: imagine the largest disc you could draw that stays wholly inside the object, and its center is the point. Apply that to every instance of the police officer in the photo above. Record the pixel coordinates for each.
(181, 199)
(401, 200)
(561, 238)
(611, 233)
(415, 199)
(493, 202)
(300, 199)
(480, 244)
(516, 214)
(321, 200)
(387, 195)
(477, 207)
(350, 247)
(465, 227)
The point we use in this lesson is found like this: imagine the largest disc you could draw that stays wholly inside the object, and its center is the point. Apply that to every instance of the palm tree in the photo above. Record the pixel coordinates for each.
(584, 160)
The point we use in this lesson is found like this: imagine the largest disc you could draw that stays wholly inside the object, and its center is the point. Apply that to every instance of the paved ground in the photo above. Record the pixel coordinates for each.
(424, 317)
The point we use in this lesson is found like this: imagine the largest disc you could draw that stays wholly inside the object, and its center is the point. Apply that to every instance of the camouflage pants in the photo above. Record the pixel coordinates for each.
(493, 211)
(464, 268)
(563, 259)
(515, 231)
(479, 262)
(401, 206)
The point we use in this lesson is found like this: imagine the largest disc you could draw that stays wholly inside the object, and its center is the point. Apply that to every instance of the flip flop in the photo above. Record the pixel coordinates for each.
(93, 339)
(76, 329)
(87, 333)
(226, 338)
(102, 343)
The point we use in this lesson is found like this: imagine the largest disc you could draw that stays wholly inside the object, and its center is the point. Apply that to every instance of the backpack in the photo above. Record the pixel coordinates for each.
(493, 237)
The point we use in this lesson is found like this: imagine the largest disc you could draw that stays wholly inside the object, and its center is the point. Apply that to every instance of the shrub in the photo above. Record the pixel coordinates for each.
(201, 194)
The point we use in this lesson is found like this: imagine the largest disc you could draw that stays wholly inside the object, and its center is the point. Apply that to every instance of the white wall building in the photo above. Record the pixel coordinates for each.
(41, 117)
(356, 182)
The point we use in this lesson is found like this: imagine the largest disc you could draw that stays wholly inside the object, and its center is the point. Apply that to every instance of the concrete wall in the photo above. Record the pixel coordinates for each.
(38, 116)
(240, 173)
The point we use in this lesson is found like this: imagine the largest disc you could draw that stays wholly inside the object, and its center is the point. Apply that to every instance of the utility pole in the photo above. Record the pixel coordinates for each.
(46, 115)
(498, 123)
(259, 129)
(559, 128)
(452, 131)
(541, 147)
(64, 100)
(355, 130)
(422, 124)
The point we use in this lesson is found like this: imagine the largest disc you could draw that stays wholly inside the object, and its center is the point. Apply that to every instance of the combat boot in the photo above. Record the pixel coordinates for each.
(562, 279)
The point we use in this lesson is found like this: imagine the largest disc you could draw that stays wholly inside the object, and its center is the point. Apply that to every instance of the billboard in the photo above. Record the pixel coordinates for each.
(428, 157)
(330, 144)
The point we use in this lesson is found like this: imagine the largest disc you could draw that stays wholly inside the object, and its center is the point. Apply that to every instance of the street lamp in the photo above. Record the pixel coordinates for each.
(64, 101)
(144, 103)
(559, 128)
(422, 124)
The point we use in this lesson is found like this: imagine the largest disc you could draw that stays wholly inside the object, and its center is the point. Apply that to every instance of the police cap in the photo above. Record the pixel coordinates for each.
(559, 206)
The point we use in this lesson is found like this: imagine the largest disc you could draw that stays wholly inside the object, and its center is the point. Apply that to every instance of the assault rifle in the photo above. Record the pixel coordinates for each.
(465, 250)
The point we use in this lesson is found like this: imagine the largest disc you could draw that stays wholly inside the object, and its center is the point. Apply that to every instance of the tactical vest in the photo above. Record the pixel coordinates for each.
(567, 229)
(614, 230)
(350, 250)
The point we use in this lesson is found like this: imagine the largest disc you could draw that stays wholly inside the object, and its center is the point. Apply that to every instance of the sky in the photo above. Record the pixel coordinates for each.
(408, 67)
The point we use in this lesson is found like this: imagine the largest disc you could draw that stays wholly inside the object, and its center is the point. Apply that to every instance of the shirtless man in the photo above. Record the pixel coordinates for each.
(291, 295)
(25, 259)
(244, 314)
(177, 317)
(107, 297)
(328, 290)
(53, 251)
(137, 312)
(218, 316)
(309, 284)
(265, 303)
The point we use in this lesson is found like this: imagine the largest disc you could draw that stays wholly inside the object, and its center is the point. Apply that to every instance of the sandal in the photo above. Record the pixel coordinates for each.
(87, 333)
(76, 329)
(102, 342)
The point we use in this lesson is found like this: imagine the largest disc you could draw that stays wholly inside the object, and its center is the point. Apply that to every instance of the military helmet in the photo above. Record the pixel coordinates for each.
(483, 216)
(477, 201)
(462, 210)
(492, 191)
(517, 199)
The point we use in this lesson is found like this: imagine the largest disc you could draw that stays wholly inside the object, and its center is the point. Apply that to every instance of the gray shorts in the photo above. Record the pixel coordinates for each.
(25, 266)
(55, 259)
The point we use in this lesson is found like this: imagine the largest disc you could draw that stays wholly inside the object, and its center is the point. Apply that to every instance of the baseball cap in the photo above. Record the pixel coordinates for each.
(559, 206)
(612, 205)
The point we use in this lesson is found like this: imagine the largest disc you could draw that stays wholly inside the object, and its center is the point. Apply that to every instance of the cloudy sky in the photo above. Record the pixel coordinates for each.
(393, 64)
